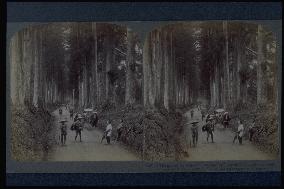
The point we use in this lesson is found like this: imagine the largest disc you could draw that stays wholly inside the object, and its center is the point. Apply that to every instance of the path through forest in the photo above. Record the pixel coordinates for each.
(90, 149)
(223, 147)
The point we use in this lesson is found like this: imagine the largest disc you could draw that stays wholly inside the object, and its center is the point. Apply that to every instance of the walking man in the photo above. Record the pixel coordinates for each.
(194, 132)
(210, 129)
(63, 130)
(240, 132)
(78, 127)
(108, 131)
(202, 114)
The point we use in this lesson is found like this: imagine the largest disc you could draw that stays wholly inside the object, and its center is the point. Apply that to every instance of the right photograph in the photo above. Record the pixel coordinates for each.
(218, 81)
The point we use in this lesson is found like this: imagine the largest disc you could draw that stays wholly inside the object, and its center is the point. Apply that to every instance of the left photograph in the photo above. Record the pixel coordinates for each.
(75, 88)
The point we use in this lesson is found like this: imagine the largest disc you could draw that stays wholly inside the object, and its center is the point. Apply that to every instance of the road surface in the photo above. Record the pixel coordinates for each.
(90, 149)
(223, 147)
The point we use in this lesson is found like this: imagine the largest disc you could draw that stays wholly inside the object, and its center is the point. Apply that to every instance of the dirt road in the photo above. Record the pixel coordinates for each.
(90, 149)
(223, 148)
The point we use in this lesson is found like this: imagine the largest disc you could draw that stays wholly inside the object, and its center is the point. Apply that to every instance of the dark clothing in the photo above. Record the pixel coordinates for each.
(210, 131)
(210, 126)
(78, 129)
(226, 117)
(210, 134)
(63, 138)
(226, 124)
(207, 118)
(202, 115)
(94, 120)
(226, 121)
(76, 117)
(60, 111)
(78, 132)
(108, 139)
(78, 125)
(251, 133)
(240, 140)
(63, 129)
(191, 113)
(71, 113)
(194, 136)
(119, 132)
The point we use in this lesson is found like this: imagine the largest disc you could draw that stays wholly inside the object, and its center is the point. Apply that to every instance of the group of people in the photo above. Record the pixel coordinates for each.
(209, 127)
(108, 131)
(78, 126)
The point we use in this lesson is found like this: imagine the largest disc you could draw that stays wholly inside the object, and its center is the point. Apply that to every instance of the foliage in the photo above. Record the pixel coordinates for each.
(32, 133)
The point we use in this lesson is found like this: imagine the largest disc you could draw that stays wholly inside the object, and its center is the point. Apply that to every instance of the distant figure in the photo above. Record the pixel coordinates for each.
(119, 130)
(60, 111)
(210, 129)
(78, 127)
(63, 131)
(108, 131)
(94, 119)
(226, 120)
(191, 113)
(194, 132)
(202, 114)
(251, 130)
(71, 113)
(240, 132)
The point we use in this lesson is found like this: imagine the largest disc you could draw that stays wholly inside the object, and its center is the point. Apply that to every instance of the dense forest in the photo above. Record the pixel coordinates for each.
(230, 65)
(83, 64)
(221, 64)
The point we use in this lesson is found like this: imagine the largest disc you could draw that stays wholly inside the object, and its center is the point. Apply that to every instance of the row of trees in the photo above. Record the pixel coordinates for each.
(85, 64)
(95, 64)
(241, 68)
(223, 64)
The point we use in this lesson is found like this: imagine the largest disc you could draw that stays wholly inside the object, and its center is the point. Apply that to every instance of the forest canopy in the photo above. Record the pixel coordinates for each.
(93, 64)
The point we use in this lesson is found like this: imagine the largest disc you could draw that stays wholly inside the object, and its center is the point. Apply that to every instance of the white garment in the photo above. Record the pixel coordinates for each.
(109, 129)
(241, 130)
